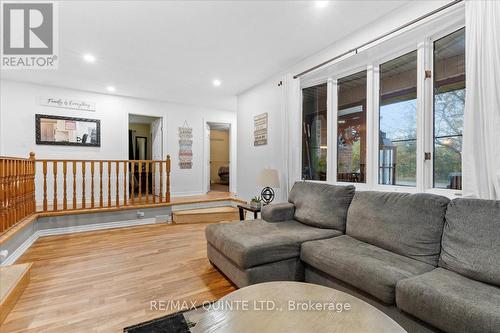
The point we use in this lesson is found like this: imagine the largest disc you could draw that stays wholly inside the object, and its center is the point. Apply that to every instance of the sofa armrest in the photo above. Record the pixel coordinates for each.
(278, 212)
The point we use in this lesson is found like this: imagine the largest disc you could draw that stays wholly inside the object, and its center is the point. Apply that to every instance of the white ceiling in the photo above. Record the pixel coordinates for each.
(172, 50)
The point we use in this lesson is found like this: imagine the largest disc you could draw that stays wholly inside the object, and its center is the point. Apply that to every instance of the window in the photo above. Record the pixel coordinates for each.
(449, 102)
(398, 121)
(351, 129)
(314, 132)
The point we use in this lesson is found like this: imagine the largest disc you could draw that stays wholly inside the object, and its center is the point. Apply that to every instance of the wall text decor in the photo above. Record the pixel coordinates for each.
(67, 103)
(185, 146)
(260, 129)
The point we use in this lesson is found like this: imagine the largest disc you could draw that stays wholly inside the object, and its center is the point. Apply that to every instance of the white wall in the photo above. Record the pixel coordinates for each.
(268, 97)
(20, 103)
(264, 98)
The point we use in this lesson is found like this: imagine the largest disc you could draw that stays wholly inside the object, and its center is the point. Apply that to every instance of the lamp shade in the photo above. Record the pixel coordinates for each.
(268, 177)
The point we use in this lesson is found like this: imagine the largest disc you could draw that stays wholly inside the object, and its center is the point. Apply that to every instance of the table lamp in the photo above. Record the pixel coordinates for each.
(268, 179)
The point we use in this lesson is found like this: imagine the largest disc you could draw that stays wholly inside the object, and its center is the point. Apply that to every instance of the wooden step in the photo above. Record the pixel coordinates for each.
(13, 281)
(206, 215)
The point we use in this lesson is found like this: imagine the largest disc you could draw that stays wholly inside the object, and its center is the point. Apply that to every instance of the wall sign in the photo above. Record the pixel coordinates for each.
(260, 123)
(185, 146)
(67, 103)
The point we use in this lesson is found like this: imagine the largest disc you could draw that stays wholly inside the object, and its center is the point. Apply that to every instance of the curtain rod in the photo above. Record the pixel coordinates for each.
(355, 50)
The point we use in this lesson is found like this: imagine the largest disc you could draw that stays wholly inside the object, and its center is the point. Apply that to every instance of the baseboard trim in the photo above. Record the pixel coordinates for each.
(12, 258)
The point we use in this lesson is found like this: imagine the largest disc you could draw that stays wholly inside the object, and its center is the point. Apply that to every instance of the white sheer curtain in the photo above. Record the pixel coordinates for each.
(481, 136)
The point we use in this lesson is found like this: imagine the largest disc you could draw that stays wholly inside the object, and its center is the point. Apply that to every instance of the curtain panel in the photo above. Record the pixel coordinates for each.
(481, 135)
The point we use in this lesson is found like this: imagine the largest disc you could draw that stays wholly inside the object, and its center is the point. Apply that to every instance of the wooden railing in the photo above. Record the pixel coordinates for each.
(47, 185)
(17, 190)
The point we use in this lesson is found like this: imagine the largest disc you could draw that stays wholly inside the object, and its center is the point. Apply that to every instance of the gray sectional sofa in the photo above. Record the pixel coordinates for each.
(429, 263)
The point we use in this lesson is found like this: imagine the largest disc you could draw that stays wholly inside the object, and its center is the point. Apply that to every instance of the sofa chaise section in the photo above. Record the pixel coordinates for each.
(257, 251)
(463, 294)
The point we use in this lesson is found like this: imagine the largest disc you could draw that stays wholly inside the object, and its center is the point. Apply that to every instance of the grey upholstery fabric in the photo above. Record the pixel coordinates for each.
(471, 239)
(321, 205)
(451, 302)
(367, 267)
(407, 224)
(408, 322)
(285, 270)
(259, 242)
(278, 212)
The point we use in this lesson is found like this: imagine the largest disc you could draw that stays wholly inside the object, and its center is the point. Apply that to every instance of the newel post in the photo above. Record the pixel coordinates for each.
(168, 178)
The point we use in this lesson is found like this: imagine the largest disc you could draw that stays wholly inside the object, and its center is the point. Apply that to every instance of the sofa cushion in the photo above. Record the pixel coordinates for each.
(321, 205)
(471, 239)
(407, 224)
(259, 242)
(451, 302)
(369, 268)
(278, 212)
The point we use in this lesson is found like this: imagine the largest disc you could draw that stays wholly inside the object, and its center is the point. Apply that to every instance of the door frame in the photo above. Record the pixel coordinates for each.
(232, 155)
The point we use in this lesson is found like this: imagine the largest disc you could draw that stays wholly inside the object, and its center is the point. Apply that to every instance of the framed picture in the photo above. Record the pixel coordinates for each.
(67, 131)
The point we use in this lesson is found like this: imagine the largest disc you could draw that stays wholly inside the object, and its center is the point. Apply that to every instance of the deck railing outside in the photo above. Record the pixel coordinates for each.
(47, 185)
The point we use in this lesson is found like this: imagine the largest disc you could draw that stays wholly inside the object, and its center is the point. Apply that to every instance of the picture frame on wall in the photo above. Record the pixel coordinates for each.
(67, 131)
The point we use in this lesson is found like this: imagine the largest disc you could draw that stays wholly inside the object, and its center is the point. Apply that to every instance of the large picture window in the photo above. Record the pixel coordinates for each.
(398, 121)
(351, 129)
(449, 102)
(314, 132)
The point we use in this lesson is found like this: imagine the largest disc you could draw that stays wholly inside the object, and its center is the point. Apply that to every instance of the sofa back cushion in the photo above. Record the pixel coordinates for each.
(321, 205)
(407, 224)
(471, 239)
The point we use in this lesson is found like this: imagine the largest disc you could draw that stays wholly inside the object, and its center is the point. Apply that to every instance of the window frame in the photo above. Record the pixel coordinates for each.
(334, 91)
(420, 38)
(429, 115)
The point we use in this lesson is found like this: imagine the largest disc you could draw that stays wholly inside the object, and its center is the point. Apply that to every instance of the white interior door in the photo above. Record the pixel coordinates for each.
(157, 147)
(207, 157)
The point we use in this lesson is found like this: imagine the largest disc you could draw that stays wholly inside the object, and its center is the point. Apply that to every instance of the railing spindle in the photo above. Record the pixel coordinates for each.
(84, 199)
(125, 183)
(100, 184)
(44, 170)
(117, 164)
(74, 185)
(109, 183)
(54, 171)
(65, 194)
(147, 182)
(132, 178)
(140, 181)
(153, 175)
(92, 198)
(3, 192)
(161, 181)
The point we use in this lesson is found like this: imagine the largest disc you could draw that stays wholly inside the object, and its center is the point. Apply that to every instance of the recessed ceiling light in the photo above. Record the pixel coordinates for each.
(216, 82)
(88, 57)
(110, 88)
(321, 4)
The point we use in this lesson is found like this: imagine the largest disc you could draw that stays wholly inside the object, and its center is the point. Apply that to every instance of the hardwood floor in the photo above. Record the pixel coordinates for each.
(103, 281)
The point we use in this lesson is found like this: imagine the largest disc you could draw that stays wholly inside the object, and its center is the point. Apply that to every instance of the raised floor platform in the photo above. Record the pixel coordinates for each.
(13, 281)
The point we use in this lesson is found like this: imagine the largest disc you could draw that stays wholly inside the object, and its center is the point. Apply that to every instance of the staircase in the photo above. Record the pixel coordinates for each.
(13, 281)
(206, 215)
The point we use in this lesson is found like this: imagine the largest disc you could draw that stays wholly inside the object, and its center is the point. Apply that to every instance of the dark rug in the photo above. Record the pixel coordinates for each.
(179, 322)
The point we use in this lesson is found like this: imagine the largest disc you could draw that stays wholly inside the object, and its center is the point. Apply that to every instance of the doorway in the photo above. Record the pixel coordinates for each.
(218, 157)
(145, 142)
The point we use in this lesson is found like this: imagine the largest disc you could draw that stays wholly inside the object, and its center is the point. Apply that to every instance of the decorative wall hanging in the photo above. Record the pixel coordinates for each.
(67, 131)
(260, 129)
(185, 146)
(67, 103)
